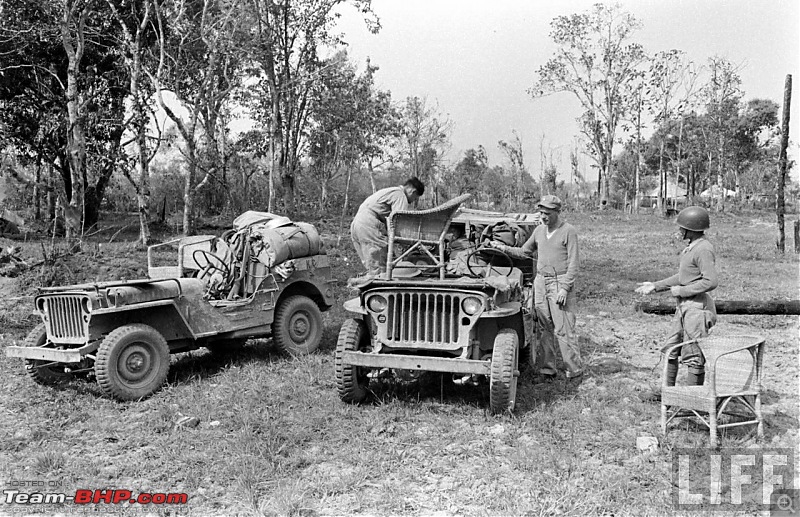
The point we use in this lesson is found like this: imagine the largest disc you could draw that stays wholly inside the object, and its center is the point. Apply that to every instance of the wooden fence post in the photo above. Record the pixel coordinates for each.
(782, 162)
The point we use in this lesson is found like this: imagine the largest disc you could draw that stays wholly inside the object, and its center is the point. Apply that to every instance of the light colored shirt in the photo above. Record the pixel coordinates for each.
(379, 205)
(558, 254)
(697, 272)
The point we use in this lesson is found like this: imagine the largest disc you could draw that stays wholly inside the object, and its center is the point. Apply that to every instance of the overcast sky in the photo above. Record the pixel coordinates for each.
(475, 59)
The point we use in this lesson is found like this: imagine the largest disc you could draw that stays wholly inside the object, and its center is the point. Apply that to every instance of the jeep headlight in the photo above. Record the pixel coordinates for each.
(376, 303)
(471, 305)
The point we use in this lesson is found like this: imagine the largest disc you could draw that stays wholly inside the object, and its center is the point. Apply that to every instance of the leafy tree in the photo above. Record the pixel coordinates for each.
(285, 44)
(749, 157)
(134, 20)
(516, 158)
(424, 140)
(596, 62)
(756, 148)
(349, 121)
(722, 95)
(198, 59)
(671, 82)
(469, 173)
(550, 180)
(62, 87)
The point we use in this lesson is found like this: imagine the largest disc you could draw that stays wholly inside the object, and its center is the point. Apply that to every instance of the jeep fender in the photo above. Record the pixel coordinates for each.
(163, 316)
(488, 328)
(322, 297)
(353, 305)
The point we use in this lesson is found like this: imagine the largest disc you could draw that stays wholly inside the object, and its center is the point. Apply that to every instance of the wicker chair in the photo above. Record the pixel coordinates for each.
(420, 229)
(733, 373)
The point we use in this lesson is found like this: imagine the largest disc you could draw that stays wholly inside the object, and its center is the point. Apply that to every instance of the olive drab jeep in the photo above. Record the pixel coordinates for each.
(265, 277)
(446, 303)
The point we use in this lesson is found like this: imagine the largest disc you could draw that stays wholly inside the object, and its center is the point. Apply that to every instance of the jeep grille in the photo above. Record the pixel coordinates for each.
(423, 318)
(66, 317)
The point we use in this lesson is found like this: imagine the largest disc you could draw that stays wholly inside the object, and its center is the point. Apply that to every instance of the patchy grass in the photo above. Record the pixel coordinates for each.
(274, 439)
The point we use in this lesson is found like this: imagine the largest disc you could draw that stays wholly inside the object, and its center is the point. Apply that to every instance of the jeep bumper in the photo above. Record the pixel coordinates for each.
(415, 362)
(73, 355)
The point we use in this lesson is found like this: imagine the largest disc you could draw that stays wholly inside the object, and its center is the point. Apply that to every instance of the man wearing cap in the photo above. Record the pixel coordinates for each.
(368, 230)
(557, 267)
(696, 312)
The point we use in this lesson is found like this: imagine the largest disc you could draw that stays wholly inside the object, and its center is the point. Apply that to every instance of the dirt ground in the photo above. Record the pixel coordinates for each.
(620, 345)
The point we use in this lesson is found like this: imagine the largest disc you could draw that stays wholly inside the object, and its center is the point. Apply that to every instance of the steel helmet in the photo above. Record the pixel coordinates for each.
(694, 218)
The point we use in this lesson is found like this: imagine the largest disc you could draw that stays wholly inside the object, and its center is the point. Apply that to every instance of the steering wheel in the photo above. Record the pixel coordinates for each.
(213, 263)
(490, 266)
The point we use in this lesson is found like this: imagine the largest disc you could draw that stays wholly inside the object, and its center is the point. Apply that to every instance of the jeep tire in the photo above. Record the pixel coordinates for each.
(132, 362)
(297, 328)
(504, 371)
(51, 374)
(351, 381)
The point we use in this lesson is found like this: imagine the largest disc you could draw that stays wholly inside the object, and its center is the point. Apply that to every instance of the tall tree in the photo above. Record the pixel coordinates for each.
(469, 173)
(134, 20)
(671, 83)
(198, 57)
(350, 120)
(516, 158)
(424, 140)
(722, 94)
(62, 86)
(596, 62)
(287, 38)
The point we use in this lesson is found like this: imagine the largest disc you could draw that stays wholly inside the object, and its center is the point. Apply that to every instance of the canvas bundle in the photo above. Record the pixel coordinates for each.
(509, 234)
(274, 245)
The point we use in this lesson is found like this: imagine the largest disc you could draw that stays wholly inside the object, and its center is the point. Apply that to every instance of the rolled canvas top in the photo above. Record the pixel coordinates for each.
(252, 217)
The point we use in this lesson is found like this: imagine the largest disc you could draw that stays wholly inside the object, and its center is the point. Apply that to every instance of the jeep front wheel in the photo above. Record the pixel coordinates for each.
(132, 362)
(297, 329)
(351, 381)
(504, 371)
(52, 373)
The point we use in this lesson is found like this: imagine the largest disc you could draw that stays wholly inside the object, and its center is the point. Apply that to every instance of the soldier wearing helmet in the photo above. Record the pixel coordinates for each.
(696, 312)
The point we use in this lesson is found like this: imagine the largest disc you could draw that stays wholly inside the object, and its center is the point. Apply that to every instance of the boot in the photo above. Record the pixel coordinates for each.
(672, 371)
(695, 377)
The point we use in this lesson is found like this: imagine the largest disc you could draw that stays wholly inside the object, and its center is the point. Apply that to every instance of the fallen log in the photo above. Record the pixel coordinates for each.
(772, 307)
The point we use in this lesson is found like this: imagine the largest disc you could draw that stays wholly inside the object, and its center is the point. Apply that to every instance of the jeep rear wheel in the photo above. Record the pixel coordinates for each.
(297, 329)
(504, 372)
(50, 374)
(351, 381)
(132, 362)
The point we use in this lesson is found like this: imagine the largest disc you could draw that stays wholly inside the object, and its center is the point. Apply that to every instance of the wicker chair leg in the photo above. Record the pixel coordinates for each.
(712, 425)
(759, 417)
(664, 419)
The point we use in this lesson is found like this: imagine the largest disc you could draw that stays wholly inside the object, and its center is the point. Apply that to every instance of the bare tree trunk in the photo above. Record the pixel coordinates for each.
(188, 188)
(606, 183)
(271, 198)
(678, 165)
(143, 164)
(51, 194)
(371, 177)
(37, 203)
(346, 202)
(781, 208)
(76, 135)
(662, 186)
(635, 208)
(720, 182)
